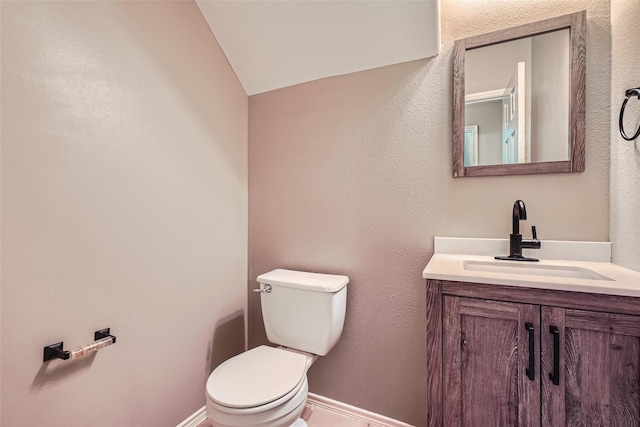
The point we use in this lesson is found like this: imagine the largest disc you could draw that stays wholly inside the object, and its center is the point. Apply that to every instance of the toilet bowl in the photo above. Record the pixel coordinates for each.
(264, 386)
(267, 386)
(284, 414)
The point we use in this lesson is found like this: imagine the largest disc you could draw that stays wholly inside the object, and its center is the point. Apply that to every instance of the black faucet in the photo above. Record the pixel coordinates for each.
(516, 242)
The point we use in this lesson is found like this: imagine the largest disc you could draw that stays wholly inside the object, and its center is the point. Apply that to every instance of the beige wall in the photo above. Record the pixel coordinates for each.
(352, 175)
(625, 155)
(124, 204)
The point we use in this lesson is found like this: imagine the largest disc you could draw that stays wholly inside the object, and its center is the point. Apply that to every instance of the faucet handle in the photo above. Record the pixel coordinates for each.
(534, 232)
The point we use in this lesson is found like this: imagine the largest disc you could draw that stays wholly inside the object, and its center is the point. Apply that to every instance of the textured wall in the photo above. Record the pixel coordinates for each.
(124, 204)
(625, 155)
(352, 175)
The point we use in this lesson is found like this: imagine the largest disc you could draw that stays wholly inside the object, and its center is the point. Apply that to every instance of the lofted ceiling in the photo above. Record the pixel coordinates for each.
(272, 44)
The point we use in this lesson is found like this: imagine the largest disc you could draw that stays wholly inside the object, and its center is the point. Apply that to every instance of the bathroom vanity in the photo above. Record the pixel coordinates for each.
(552, 343)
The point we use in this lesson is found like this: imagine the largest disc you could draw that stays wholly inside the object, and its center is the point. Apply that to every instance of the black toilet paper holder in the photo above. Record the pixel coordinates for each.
(102, 338)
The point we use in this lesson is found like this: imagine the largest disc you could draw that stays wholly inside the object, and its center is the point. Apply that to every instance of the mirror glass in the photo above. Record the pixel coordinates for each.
(517, 93)
(519, 98)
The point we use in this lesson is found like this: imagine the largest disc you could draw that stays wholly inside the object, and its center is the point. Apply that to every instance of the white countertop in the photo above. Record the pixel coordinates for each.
(451, 266)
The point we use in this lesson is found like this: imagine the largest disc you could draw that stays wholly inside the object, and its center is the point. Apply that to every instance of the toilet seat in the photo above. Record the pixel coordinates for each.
(281, 413)
(260, 378)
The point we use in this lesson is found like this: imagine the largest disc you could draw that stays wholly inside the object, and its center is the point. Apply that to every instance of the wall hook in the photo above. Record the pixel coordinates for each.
(628, 94)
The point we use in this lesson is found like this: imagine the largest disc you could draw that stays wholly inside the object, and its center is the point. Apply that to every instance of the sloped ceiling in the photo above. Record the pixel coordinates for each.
(273, 44)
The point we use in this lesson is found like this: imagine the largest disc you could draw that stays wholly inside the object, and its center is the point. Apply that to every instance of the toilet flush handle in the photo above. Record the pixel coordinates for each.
(265, 290)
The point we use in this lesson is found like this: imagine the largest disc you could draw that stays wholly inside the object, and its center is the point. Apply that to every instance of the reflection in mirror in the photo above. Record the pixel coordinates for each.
(516, 93)
(471, 153)
(519, 99)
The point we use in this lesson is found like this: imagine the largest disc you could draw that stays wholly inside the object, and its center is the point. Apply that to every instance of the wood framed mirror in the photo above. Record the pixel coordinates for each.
(519, 99)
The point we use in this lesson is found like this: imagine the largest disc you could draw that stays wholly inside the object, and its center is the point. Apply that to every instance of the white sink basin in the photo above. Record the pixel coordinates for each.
(533, 269)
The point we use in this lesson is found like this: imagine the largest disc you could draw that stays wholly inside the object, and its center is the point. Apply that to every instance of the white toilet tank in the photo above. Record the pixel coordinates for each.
(303, 311)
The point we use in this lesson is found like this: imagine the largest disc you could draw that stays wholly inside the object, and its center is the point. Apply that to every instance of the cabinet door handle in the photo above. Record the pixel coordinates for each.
(531, 370)
(555, 375)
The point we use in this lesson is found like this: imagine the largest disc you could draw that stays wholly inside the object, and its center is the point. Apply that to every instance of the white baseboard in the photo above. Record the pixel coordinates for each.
(194, 419)
(320, 401)
(354, 412)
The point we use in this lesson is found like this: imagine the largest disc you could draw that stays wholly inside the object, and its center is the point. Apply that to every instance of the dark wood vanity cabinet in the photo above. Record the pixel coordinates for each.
(485, 352)
(599, 375)
(511, 356)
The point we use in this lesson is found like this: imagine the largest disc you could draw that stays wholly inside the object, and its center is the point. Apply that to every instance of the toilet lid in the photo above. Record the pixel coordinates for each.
(256, 377)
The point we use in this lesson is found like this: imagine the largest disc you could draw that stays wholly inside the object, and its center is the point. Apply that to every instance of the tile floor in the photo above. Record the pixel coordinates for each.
(316, 416)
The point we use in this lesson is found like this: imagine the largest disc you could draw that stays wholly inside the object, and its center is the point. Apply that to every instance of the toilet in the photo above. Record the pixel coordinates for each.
(266, 386)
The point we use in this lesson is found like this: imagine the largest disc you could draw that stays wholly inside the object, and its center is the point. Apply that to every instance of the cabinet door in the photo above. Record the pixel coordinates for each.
(594, 377)
(490, 372)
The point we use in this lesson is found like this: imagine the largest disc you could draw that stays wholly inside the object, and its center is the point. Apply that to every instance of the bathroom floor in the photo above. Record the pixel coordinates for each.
(316, 416)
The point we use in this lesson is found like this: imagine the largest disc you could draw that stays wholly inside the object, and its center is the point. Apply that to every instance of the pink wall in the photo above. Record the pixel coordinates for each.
(339, 183)
(124, 204)
(352, 175)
